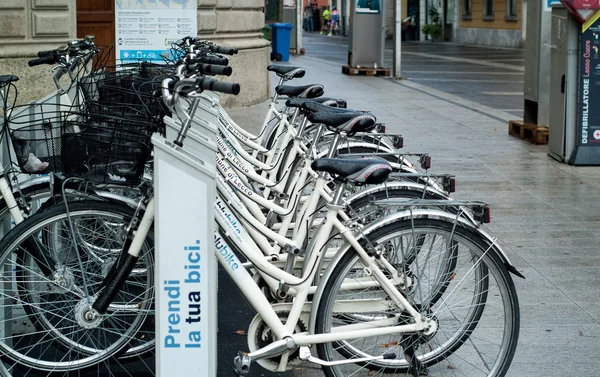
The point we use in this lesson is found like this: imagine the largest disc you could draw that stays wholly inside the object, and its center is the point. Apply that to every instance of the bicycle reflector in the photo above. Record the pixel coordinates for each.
(425, 162)
(583, 10)
(482, 214)
(398, 141)
(449, 184)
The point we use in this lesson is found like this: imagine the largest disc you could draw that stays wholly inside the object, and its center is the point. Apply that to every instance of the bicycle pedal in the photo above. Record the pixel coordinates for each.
(241, 364)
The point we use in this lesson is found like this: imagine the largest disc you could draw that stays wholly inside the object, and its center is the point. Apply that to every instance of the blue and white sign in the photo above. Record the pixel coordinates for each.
(145, 29)
(185, 263)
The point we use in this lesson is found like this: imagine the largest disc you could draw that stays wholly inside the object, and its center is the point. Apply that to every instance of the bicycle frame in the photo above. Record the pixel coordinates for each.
(303, 284)
(303, 287)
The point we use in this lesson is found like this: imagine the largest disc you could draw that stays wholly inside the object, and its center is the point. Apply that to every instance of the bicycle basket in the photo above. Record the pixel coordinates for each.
(107, 150)
(125, 94)
(36, 135)
(97, 147)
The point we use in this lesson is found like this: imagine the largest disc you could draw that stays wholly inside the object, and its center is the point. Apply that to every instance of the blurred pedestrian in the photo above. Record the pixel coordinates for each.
(335, 19)
(308, 19)
(326, 19)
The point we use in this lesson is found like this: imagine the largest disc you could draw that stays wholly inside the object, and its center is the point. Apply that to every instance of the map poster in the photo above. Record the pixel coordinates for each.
(145, 29)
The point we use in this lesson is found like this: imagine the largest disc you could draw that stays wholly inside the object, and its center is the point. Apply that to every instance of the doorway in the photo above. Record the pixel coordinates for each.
(448, 19)
(97, 18)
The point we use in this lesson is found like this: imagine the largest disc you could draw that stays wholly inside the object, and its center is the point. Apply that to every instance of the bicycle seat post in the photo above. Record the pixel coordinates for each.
(294, 116)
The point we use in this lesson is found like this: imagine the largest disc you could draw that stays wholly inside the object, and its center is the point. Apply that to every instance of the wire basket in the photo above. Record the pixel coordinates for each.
(105, 152)
(35, 132)
(98, 147)
(125, 94)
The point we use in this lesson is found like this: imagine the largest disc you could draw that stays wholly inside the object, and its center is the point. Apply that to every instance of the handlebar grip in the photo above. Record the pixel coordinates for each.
(219, 86)
(48, 59)
(224, 50)
(213, 60)
(44, 53)
(211, 69)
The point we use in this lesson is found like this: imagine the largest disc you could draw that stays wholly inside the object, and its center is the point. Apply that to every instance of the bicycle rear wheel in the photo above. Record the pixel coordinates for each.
(477, 313)
(53, 264)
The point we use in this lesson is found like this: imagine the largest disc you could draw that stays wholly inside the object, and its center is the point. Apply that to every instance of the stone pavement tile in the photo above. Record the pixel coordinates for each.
(545, 237)
(570, 228)
(556, 345)
(580, 283)
(544, 241)
(592, 308)
(536, 289)
(548, 314)
(551, 260)
(545, 364)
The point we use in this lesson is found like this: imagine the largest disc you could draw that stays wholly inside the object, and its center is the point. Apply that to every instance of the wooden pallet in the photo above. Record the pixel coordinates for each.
(293, 51)
(347, 70)
(529, 132)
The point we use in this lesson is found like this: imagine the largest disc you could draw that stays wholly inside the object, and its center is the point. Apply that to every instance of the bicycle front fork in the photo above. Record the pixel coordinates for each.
(120, 271)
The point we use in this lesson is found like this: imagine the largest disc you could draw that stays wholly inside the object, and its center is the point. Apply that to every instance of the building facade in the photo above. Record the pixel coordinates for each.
(497, 23)
(490, 23)
(27, 26)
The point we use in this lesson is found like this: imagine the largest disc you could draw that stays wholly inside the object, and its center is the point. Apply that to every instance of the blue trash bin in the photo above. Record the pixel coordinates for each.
(280, 41)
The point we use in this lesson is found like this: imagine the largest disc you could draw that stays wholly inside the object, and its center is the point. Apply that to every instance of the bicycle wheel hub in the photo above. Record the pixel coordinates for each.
(86, 316)
(431, 326)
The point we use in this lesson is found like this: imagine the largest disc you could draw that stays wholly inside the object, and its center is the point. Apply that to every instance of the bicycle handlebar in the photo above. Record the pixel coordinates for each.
(218, 86)
(48, 59)
(223, 50)
(212, 69)
(45, 53)
(212, 60)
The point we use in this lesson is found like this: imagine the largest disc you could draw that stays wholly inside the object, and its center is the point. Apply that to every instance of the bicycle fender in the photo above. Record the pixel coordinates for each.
(466, 220)
(408, 185)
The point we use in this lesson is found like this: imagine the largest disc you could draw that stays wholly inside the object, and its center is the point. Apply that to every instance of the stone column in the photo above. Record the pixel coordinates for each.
(238, 24)
(27, 26)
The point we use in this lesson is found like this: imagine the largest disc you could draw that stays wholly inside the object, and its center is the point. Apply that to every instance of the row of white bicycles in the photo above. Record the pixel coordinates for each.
(354, 256)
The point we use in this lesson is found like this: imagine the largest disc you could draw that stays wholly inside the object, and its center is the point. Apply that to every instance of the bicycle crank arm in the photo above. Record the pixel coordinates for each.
(243, 360)
(306, 356)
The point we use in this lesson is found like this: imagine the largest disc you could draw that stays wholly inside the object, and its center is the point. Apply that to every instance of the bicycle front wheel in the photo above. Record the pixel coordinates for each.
(53, 265)
(454, 277)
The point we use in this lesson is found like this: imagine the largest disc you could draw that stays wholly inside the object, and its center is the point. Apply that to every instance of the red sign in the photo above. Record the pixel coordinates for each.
(582, 9)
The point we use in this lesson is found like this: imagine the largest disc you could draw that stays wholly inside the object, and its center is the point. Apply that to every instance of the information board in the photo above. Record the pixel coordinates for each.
(145, 29)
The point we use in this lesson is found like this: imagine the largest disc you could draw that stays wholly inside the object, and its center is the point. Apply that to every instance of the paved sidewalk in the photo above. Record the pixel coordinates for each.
(546, 214)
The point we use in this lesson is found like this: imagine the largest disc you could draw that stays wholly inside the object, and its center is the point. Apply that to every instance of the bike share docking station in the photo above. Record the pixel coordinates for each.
(186, 268)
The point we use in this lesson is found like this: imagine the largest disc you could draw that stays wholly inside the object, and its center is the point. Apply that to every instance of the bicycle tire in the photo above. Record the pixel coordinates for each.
(439, 355)
(79, 359)
(42, 191)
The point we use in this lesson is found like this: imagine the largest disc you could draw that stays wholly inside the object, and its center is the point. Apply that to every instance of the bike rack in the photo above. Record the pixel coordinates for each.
(186, 268)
